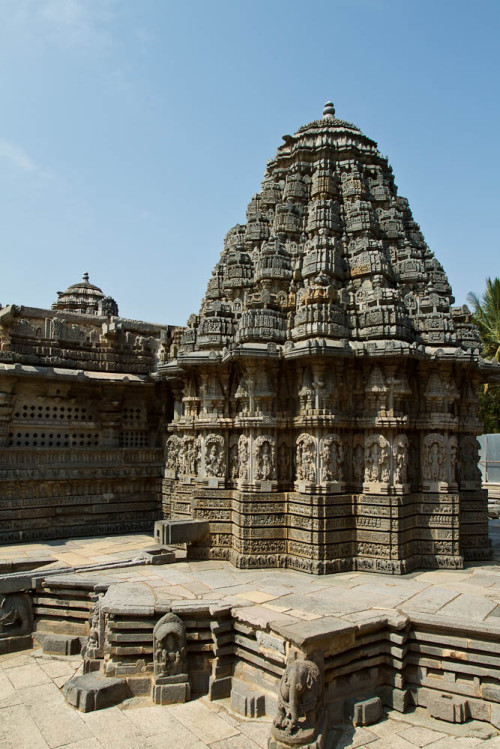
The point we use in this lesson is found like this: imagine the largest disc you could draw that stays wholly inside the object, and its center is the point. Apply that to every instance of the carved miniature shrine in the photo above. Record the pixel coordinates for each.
(325, 414)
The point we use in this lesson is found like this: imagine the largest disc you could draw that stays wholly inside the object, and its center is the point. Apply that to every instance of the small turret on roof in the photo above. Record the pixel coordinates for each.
(86, 299)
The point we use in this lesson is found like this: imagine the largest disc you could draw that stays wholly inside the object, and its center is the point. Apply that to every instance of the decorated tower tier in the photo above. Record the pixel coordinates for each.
(325, 395)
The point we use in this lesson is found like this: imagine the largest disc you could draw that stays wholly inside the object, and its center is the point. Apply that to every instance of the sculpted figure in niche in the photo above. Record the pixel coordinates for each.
(300, 702)
(95, 642)
(214, 456)
(171, 681)
(264, 458)
(185, 455)
(173, 445)
(377, 459)
(433, 468)
(384, 467)
(358, 459)
(306, 458)
(453, 458)
(169, 647)
(233, 461)
(332, 456)
(401, 460)
(243, 457)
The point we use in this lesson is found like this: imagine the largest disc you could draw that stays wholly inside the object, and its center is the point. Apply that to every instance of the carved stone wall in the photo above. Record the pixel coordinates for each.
(325, 415)
(81, 420)
(320, 411)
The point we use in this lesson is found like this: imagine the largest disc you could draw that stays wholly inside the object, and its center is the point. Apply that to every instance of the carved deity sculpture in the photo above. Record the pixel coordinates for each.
(171, 683)
(300, 719)
(93, 650)
(306, 458)
(172, 459)
(452, 458)
(233, 461)
(332, 457)
(434, 458)
(401, 459)
(377, 464)
(214, 456)
(384, 464)
(264, 458)
(243, 457)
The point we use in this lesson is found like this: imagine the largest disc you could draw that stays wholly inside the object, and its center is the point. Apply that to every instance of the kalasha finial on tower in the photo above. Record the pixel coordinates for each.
(85, 277)
(329, 109)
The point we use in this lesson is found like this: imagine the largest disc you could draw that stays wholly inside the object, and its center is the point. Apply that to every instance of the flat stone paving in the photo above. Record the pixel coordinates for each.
(33, 712)
(34, 715)
(467, 597)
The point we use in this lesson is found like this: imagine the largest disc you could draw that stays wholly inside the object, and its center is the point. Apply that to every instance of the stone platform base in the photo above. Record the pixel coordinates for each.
(388, 533)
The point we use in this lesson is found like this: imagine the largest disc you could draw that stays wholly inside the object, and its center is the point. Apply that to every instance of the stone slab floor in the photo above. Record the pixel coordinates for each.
(34, 715)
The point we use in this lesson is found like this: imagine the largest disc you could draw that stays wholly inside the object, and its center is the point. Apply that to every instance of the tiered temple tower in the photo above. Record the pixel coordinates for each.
(325, 406)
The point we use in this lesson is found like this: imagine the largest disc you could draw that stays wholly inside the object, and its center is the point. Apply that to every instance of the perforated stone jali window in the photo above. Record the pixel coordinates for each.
(53, 439)
(52, 413)
(134, 439)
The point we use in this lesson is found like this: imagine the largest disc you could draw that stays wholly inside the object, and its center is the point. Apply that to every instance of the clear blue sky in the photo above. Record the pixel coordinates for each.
(133, 133)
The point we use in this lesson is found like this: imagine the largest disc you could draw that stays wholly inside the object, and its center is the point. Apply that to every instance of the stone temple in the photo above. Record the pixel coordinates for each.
(319, 413)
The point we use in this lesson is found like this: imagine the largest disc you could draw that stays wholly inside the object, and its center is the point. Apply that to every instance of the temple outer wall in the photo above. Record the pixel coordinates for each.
(80, 454)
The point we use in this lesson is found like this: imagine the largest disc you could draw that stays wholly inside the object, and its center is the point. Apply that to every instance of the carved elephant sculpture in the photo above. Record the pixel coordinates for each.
(299, 697)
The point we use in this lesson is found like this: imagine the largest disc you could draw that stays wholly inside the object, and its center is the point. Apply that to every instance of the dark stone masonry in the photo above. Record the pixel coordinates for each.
(320, 412)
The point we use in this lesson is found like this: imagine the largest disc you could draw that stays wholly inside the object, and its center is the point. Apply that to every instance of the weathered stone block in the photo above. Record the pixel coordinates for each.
(171, 532)
(247, 700)
(449, 707)
(169, 694)
(364, 712)
(95, 691)
(14, 644)
(219, 688)
(58, 644)
(491, 692)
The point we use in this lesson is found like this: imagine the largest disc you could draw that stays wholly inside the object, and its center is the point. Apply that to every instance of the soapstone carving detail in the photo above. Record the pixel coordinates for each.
(173, 449)
(358, 458)
(233, 458)
(243, 457)
(377, 467)
(401, 459)
(434, 458)
(332, 458)
(16, 615)
(215, 465)
(300, 718)
(306, 458)
(452, 459)
(171, 681)
(265, 458)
